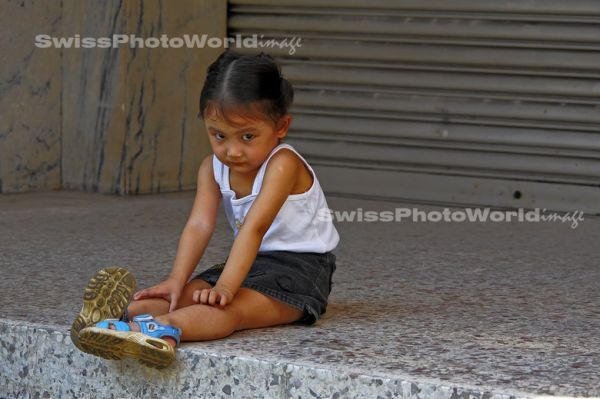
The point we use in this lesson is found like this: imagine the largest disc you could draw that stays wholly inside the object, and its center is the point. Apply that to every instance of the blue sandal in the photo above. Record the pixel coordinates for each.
(148, 346)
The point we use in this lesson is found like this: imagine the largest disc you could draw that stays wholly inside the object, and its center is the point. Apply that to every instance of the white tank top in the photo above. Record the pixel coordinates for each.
(296, 227)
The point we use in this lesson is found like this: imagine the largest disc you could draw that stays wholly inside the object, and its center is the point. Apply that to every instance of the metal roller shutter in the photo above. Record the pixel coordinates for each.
(474, 102)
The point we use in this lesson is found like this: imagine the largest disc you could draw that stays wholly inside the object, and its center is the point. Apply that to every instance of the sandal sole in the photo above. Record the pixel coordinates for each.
(106, 296)
(115, 345)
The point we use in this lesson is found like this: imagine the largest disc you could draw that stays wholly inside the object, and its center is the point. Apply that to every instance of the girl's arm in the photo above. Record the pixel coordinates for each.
(200, 225)
(279, 180)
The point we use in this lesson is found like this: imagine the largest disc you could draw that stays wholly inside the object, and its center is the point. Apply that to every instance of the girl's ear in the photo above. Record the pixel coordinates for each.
(283, 125)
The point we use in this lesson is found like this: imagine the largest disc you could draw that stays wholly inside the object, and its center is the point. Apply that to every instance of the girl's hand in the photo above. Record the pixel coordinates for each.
(218, 295)
(170, 289)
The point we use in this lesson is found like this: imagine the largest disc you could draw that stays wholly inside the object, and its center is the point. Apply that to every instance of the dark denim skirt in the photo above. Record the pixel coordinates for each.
(300, 279)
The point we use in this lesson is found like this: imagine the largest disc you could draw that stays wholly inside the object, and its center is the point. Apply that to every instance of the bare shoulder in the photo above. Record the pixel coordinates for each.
(286, 159)
(282, 165)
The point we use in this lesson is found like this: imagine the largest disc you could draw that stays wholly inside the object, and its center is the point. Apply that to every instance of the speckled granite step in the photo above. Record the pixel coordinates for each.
(421, 310)
(40, 361)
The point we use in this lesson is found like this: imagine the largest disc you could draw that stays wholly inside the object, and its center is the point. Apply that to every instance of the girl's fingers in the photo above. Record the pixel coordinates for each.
(209, 297)
(147, 293)
(204, 296)
(196, 296)
(151, 292)
(173, 305)
(212, 297)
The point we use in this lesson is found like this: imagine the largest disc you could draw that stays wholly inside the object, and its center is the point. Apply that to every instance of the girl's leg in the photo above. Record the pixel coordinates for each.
(153, 306)
(249, 309)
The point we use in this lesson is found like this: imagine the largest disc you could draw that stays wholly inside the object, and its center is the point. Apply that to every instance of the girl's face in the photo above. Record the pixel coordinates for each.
(243, 144)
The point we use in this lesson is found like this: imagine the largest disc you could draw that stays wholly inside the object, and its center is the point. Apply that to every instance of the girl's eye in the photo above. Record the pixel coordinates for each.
(218, 136)
(247, 137)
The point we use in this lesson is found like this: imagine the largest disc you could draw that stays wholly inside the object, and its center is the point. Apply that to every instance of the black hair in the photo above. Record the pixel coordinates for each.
(244, 85)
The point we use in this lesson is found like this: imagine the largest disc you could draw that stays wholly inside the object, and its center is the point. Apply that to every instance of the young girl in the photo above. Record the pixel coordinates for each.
(280, 266)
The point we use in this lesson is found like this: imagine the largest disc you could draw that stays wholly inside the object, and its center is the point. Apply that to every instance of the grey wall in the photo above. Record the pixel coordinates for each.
(30, 81)
(115, 120)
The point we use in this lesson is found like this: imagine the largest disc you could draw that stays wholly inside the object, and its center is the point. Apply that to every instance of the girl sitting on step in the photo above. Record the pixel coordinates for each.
(280, 266)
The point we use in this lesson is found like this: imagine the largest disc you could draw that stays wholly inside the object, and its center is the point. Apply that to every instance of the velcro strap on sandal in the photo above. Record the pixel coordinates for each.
(149, 326)
(119, 325)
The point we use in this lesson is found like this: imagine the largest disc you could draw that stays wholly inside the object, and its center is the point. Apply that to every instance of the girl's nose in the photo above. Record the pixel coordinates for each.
(234, 152)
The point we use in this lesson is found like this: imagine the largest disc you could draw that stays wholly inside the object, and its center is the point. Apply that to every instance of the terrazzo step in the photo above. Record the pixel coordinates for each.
(417, 310)
(40, 361)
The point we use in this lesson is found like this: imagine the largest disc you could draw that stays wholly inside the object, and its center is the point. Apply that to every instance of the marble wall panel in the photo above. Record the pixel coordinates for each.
(129, 122)
(30, 81)
(115, 120)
